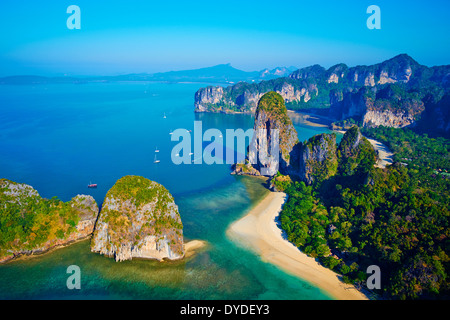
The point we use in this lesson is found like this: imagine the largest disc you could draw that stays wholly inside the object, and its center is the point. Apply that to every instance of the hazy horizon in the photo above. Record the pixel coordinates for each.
(119, 38)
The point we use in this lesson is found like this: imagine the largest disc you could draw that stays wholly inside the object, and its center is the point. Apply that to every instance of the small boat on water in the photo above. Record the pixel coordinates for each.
(156, 150)
(156, 160)
(164, 115)
(92, 185)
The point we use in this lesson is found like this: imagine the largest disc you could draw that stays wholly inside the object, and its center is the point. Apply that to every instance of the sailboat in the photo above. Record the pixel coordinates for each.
(156, 160)
(156, 150)
(164, 115)
(170, 131)
(92, 185)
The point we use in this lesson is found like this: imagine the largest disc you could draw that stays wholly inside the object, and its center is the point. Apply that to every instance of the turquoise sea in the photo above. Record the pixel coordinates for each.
(59, 138)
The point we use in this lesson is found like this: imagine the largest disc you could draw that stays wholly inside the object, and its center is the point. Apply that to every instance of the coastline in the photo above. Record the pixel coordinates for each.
(259, 232)
(191, 248)
(310, 119)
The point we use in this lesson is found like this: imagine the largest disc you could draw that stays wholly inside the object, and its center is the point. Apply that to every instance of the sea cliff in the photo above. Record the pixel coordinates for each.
(139, 219)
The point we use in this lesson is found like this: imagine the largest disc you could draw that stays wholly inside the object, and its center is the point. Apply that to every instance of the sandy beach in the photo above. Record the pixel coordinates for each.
(259, 232)
(310, 119)
(384, 153)
(192, 247)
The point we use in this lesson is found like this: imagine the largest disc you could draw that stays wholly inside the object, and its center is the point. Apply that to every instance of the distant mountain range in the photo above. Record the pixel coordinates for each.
(221, 74)
(398, 92)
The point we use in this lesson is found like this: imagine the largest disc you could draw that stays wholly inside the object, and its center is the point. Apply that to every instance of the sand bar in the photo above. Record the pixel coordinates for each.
(192, 247)
(259, 232)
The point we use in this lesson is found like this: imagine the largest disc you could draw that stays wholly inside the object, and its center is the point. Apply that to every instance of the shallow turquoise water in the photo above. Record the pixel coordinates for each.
(58, 138)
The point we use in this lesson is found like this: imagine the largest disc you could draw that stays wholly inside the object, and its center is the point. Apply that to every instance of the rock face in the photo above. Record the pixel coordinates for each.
(206, 97)
(312, 161)
(318, 159)
(36, 224)
(390, 106)
(358, 92)
(321, 158)
(271, 115)
(243, 97)
(139, 219)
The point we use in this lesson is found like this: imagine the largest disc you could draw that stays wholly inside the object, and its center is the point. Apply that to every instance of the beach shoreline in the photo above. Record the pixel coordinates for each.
(310, 119)
(259, 232)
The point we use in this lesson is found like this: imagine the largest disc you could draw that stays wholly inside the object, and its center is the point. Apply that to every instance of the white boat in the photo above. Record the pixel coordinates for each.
(156, 160)
(164, 115)
(156, 150)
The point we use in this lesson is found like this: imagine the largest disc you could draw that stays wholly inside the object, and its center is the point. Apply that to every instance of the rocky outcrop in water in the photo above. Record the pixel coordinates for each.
(36, 225)
(139, 219)
(273, 133)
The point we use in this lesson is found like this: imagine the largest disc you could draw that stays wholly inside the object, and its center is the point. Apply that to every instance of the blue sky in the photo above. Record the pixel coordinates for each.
(118, 37)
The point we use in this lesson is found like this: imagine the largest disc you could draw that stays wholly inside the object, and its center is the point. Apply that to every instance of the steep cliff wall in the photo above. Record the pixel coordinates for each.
(321, 158)
(243, 97)
(318, 160)
(345, 92)
(271, 117)
(139, 219)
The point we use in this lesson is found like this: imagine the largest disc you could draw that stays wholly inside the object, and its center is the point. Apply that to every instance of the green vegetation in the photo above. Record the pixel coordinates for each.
(396, 218)
(281, 182)
(272, 104)
(130, 194)
(355, 153)
(319, 153)
(28, 222)
(427, 159)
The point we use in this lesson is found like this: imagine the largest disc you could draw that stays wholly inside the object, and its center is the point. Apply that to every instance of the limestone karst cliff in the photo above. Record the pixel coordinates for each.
(318, 159)
(243, 97)
(312, 161)
(272, 125)
(343, 92)
(32, 224)
(321, 158)
(139, 219)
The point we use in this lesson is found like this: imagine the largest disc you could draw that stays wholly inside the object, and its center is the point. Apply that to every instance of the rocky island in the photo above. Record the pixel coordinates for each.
(31, 224)
(139, 219)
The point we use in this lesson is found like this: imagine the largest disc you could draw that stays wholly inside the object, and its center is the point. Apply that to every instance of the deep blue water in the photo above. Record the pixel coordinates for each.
(59, 138)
